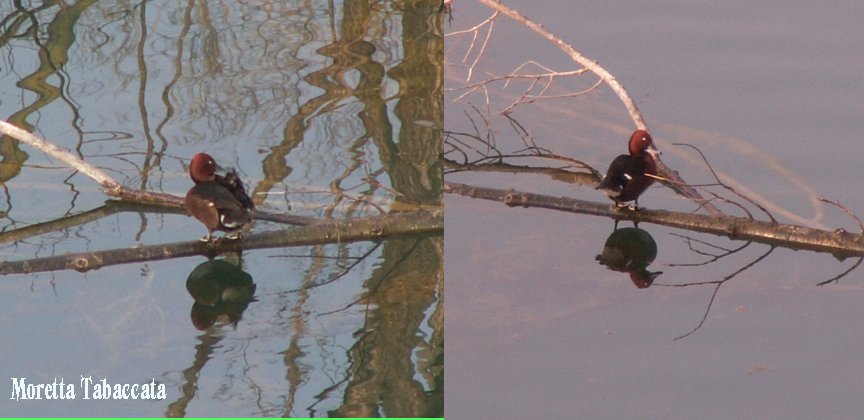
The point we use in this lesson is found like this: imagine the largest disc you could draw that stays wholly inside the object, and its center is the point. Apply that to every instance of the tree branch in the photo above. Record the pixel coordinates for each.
(108, 184)
(115, 189)
(592, 65)
(839, 242)
(327, 232)
(674, 180)
(314, 231)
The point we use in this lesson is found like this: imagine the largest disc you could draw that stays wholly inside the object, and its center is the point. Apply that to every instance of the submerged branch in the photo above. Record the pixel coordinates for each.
(839, 242)
(172, 206)
(110, 207)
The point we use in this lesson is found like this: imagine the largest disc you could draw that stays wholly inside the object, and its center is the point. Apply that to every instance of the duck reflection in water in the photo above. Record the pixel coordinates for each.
(631, 250)
(222, 291)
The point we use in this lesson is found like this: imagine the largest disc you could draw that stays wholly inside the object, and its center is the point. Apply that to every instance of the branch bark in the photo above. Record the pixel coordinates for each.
(327, 232)
(839, 243)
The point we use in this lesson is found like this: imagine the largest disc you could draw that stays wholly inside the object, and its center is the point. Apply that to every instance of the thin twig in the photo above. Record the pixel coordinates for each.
(592, 65)
(846, 210)
(713, 257)
(727, 187)
(717, 288)
(490, 22)
(837, 278)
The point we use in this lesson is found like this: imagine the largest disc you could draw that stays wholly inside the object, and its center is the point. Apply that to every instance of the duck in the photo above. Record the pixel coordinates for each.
(219, 202)
(630, 175)
(232, 182)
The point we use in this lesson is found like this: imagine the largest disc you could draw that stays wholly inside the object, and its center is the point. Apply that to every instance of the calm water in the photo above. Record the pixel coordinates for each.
(537, 328)
(328, 109)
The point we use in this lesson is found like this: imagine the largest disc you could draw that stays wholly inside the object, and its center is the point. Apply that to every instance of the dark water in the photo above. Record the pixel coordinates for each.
(771, 93)
(327, 109)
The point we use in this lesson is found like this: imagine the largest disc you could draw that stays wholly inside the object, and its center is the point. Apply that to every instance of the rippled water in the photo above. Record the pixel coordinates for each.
(327, 109)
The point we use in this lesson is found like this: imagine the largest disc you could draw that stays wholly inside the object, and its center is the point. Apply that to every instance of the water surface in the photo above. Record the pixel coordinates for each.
(327, 109)
(537, 328)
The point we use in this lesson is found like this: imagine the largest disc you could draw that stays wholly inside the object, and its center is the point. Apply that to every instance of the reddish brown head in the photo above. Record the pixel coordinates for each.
(640, 141)
(202, 168)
